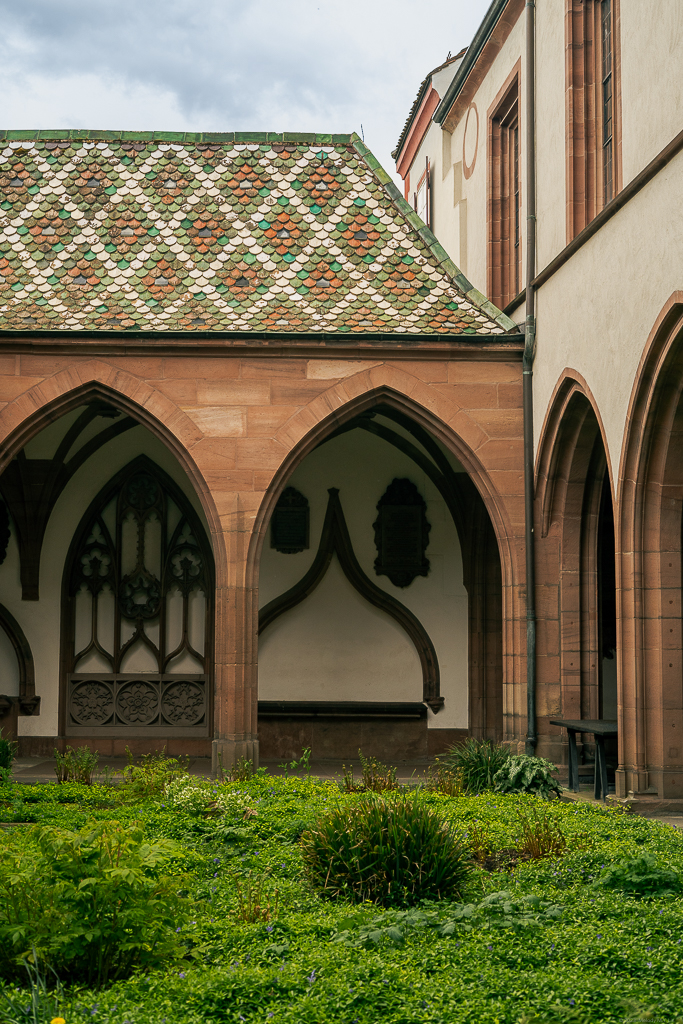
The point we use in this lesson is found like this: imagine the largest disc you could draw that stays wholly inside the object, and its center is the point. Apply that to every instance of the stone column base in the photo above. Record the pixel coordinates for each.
(226, 752)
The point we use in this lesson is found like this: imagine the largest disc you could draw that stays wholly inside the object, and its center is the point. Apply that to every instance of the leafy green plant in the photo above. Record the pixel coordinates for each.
(375, 777)
(497, 910)
(76, 765)
(242, 770)
(523, 774)
(200, 796)
(480, 843)
(304, 762)
(541, 835)
(150, 775)
(392, 850)
(253, 902)
(477, 761)
(441, 779)
(640, 876)
(93, 904)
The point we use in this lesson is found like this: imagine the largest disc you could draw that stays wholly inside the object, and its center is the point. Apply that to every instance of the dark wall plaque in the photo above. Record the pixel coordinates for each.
(401, 533)
(289, 527)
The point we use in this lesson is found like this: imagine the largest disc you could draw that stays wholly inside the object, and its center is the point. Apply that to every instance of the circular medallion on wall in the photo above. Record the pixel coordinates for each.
(183, 703)
(470, 140)
(137, 703)
(92, 702)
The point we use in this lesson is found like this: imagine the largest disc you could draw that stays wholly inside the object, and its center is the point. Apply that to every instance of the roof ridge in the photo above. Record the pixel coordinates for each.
(96, 134)
(429, 238)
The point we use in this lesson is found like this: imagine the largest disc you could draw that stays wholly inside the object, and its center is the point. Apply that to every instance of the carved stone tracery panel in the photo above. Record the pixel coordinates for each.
(137, 644)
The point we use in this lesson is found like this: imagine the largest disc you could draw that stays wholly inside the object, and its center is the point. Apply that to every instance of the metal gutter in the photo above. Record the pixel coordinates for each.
(480, 40)
(527, 374)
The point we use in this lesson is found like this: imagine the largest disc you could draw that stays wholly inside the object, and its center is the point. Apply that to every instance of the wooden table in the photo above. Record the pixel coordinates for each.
(601, 728)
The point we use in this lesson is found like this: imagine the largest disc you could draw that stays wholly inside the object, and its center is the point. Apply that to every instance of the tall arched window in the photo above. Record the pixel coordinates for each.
(137, 612)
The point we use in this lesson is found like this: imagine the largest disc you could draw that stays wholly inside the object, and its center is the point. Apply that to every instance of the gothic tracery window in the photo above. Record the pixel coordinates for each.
(138, 611)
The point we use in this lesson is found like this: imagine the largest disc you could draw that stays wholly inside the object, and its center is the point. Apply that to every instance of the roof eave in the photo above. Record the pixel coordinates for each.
(194, 338)
(482, 36)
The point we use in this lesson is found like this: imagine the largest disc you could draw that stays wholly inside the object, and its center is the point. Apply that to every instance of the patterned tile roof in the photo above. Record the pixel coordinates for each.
(104, 231)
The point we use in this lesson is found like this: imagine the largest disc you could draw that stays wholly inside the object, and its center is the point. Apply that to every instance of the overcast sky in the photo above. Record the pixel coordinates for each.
(225, 65)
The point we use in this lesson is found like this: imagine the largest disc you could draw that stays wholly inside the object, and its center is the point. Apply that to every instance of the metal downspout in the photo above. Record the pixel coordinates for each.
(527, 375)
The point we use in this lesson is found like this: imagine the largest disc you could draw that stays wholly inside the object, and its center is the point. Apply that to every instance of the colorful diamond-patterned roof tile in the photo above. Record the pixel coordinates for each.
(104, 231)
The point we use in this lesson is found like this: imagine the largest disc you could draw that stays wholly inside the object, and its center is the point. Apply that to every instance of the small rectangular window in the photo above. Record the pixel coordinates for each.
(422, 198)
(607, 102)
(592, 72)
(504, 268)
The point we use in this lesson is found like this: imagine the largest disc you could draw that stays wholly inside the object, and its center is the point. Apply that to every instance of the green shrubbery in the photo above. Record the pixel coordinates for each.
(390, 850)
(8, 751)
(476, 762)
(641, 876)
(77, 765)
(481, 765)
(567, 937)
(375, 777)
(497, 910)
(523, 774)
(92, 905)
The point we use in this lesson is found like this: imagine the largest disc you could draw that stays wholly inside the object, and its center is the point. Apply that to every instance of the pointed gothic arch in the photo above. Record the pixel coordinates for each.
(484, 529)
(650, 521)
(576, 557)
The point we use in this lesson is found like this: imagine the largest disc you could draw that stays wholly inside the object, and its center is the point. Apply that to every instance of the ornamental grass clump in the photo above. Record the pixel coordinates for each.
(476, 762)
(541, 835)
(392, 850)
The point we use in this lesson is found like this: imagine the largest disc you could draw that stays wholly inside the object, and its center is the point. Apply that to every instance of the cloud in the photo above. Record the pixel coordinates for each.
(224, 65)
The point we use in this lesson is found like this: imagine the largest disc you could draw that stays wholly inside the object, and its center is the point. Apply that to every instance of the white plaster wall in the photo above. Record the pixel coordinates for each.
(473, 190)
(444, 215)
(651, 79)
(596, 312)
(551, 146)
(652, 103)
(40, 620)
(336, 646)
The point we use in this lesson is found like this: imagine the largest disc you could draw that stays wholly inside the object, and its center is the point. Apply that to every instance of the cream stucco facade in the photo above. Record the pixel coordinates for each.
(604, 292)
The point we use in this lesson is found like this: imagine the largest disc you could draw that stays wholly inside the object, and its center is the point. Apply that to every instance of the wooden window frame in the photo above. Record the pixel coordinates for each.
(426, 180)
(593, 109)
(504, 206)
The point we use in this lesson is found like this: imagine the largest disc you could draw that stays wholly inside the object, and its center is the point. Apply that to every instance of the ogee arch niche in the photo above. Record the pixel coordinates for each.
(337, 670)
